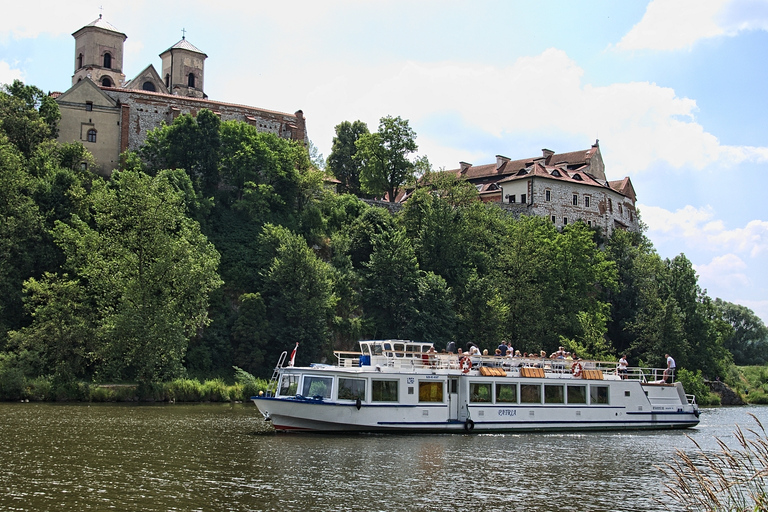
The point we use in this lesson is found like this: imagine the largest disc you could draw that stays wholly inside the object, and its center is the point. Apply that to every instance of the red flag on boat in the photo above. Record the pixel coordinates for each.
(293, 354)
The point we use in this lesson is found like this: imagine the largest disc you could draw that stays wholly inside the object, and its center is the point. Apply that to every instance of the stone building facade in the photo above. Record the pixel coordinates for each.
(563, 187)
(110, 115)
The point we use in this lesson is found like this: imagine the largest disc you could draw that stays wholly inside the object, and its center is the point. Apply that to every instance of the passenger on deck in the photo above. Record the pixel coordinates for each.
(669, 372)
(503, 348)
(622, 367)
(451, 348)
(432, 356)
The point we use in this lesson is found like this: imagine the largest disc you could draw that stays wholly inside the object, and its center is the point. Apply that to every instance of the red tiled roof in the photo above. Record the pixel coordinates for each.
(557, 173)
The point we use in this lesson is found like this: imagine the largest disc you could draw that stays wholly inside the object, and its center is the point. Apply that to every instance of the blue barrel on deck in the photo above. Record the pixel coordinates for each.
(365, 360)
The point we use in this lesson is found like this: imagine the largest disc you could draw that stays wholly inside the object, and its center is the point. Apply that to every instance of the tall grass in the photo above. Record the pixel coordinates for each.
(732, 480)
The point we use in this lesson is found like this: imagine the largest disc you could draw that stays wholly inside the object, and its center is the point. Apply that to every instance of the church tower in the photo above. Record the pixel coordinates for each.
(99, 54)
(183, 69)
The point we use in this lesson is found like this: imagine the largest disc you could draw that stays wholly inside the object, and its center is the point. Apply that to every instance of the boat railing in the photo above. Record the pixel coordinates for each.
(552, 367)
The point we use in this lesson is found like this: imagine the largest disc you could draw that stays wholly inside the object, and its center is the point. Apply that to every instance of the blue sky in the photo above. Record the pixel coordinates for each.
(673, 89)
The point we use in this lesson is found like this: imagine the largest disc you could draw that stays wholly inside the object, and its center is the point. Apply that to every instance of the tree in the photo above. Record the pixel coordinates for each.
(384, 157)
(149, 271)
(61, 338)
(21, 230)
(391, 284)
(27, 116)
(342, 162)
(749, 341)
(190, 143)
(298, 291)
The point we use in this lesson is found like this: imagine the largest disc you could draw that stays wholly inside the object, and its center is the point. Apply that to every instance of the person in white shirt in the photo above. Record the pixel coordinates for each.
(622, 368)
(670, 370)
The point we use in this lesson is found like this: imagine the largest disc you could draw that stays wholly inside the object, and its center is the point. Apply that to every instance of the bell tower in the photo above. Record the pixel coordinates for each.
(99, 54)
(183, 69)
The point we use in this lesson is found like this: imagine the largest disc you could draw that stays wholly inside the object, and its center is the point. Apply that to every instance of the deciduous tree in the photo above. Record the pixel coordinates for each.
(384, 157)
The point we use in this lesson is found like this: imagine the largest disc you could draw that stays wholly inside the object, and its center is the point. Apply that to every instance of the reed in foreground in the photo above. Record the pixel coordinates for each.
(733, 479)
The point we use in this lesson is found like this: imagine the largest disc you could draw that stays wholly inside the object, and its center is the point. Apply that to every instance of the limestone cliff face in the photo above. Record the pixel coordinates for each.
(727, 395)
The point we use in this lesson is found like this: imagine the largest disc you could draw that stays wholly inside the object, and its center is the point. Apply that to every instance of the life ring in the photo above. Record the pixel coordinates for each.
(465, 363)
(469, 425)
(576, 369)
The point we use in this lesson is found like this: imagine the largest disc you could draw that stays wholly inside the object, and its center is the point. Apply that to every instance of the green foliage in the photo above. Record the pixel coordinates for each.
(694, 384)
(28, 116)
(298, 291)
(749, 340)
(391, 285)
(342, 162)
(148, 271)
(384, 157)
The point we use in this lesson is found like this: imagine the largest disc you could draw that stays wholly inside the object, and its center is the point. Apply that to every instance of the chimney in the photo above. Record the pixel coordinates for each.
(547, 155)
(501, 161)
(464, 167)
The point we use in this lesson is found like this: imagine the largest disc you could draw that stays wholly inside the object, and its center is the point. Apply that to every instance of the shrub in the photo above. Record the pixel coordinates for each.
(125, 393)
(215, 391)
(251, 385)
(757, 397)
(39, 389)
(102, 394)
(12, 383)
(184, 390)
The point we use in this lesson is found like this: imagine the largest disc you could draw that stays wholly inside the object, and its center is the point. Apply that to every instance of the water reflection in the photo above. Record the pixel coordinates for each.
(211, 457)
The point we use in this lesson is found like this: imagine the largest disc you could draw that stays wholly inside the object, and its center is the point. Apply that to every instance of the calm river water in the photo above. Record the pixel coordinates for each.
(213, 457)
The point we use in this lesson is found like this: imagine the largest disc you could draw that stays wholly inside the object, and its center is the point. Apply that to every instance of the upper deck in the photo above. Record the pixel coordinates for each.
(404, 355)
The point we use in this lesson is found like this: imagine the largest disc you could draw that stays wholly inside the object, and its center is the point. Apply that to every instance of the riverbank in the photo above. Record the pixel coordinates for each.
(745, 385)
(178, 390)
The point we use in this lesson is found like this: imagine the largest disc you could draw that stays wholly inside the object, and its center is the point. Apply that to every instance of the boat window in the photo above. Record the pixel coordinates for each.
(288, 385)
(384, 391)
(351, 389)
(399, 350)
(530, 393)
(430, 391)
(317, 386)
(506, 393)
(554, 394)
(598, 394)
(577, 394)
(479, 392)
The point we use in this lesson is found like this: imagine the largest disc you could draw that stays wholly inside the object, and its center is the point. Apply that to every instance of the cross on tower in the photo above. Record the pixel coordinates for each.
(183, 33)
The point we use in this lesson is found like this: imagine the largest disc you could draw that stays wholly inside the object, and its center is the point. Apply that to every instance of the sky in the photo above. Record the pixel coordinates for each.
(675, 91)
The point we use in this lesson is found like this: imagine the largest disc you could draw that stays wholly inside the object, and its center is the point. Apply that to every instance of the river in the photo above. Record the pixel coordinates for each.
(215, 457)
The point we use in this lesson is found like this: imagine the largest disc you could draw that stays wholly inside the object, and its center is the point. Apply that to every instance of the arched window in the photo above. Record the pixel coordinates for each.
(79, 61)
(92, 135)
(106, 82)
(167, 80)
(108, 60)
(191, 80)
(148, 86)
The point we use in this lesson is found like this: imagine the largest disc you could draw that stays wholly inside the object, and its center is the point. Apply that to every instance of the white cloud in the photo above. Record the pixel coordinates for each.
(9, 74)
(727, 271)
(515, 99)
(698, 228)
(679, 24)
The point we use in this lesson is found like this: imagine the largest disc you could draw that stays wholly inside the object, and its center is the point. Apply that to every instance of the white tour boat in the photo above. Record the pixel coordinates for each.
(400, 386)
